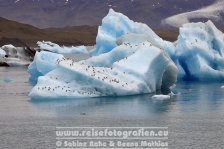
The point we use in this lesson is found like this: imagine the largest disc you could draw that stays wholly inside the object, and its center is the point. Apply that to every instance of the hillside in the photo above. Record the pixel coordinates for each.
(19, 34)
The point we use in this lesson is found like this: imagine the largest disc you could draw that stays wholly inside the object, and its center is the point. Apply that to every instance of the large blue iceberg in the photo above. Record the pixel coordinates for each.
(144, 70)
(129, 59)
(115, 25)
(200, 52)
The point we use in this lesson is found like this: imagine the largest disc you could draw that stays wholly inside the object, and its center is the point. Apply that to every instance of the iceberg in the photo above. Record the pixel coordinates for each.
(200, 52)
(114, 25)
(130, 59)
(140, 70)
(43, 63)
(15, 56)
(117, 29)
(52, 47)
(169, 47)
(2, 53)
(3, 58)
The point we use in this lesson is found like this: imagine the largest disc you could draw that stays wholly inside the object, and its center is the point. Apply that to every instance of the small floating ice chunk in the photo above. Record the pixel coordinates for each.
(172, 87)
(161, 97)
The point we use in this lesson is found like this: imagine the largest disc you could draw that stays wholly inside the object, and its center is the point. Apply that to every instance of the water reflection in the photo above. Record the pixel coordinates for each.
(141, 105)
(192, 97)
(200, 97)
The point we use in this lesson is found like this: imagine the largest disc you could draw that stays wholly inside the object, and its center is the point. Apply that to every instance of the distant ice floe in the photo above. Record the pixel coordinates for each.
(23, 56)
(15, 56)
(52, 47)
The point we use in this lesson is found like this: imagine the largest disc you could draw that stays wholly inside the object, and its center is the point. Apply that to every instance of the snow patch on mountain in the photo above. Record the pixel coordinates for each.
(210, 12)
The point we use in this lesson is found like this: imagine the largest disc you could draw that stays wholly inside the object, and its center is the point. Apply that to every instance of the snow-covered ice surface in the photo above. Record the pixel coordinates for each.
(138, 73)
(169, 47)
(47, 45)
(200, 52)
(118, 53)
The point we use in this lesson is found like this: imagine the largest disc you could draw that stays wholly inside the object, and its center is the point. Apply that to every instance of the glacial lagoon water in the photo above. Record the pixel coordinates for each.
(195, 117)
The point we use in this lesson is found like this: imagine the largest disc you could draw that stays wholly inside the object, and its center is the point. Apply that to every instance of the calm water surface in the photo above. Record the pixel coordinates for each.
(195, 117)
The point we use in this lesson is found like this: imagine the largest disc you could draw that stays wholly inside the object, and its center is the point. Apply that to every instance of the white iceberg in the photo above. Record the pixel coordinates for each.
(15, 56)
(200, 52)
(49, 46)
(143, 70)
(43, 63)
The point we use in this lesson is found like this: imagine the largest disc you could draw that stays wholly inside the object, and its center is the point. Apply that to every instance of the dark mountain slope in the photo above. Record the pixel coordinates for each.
(19, 34)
